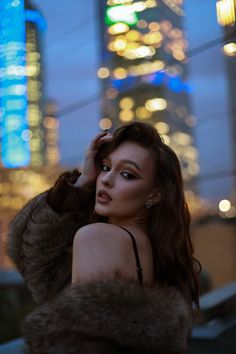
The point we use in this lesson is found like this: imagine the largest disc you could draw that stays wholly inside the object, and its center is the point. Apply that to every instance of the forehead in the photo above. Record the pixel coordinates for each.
(132, 151)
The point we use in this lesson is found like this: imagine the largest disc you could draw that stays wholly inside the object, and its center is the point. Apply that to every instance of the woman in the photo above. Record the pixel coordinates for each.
(133, 277)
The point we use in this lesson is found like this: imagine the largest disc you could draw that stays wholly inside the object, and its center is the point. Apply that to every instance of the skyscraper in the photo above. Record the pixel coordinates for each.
(28, 126)
(42, 120)
(28, 135)
(34, 74)
(226, 16)
(144, 74)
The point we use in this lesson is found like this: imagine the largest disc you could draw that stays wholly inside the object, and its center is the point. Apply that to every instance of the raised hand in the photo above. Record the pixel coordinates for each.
(90, 172)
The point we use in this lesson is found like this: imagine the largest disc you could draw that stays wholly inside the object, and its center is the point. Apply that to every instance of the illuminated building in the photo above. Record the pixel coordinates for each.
(143, 73)
(34, 27)
(28, 126)
(13, 84)
(28, 138)
(226, 17)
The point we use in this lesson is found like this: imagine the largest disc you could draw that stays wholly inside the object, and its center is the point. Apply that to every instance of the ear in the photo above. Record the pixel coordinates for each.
(155, 196)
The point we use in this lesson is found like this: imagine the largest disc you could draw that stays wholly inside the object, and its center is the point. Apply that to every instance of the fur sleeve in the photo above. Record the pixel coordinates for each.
(40, 239)
(143, 319)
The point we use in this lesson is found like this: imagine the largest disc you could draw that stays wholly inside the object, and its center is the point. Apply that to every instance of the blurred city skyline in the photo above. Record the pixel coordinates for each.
(72, 57)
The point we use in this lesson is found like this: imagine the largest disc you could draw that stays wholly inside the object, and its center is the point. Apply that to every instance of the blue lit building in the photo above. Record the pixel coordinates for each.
(28, 138)
(34, 72)
(15, 151)
(144, 73)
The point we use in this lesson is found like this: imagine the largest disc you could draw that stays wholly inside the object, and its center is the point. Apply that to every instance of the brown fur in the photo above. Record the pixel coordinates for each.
(89, 318)
(144, 320)
(40, 238)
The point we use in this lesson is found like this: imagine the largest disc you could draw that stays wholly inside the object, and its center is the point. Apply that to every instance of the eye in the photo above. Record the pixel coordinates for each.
(105, 168)
(128, 175)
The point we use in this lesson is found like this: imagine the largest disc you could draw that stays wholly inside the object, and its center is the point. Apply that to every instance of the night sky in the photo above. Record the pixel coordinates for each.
(71, 57)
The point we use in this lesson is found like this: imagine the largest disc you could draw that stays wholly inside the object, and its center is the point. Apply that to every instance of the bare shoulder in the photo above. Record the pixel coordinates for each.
(99, 251)
(101, 232)
(105, 251)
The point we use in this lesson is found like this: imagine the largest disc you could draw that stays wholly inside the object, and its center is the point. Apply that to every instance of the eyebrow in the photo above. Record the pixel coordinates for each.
(130, 162)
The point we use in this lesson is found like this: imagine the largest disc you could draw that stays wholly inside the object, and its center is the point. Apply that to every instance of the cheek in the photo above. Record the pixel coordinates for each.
(133, 193)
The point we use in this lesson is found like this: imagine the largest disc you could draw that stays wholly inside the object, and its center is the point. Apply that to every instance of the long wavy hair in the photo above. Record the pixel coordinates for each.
(169, 219)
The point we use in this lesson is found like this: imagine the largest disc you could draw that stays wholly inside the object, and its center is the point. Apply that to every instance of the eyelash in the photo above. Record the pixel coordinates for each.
(128, 176)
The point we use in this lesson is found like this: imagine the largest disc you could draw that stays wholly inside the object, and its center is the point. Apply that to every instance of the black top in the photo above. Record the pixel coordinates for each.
(139, 268)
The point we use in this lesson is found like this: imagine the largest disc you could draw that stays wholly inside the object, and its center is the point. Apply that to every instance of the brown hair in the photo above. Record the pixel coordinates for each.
(169, 219)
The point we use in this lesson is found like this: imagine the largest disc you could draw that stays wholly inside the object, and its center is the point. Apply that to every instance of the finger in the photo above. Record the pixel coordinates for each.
(96, 139)
(103, 141)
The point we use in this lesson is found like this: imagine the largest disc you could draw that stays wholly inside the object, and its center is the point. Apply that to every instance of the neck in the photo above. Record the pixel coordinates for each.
(139, 221)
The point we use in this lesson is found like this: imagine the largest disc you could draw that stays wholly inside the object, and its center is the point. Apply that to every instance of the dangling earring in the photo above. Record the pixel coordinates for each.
(148, 204)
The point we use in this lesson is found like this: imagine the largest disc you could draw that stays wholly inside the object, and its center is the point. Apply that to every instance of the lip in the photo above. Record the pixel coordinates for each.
(103, 196)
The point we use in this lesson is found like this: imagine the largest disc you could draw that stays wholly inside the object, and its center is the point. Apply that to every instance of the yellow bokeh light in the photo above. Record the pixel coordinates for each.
(120, 73)
(182, 138)
(154, 26)
(126, 103)
(152, 38)
(34, 119)
(162, 127)
(103, 73)
(118, 2)
(179, 55)
(119, 43)
(133, 35)
(35, 144)
(156, 104)
(33, 70)
(230, 49)
(225, 12)
(151, 3)
(224, 205)
(118, 28)
(146, 68)
(140, 52)
(143, 113)
(105, 123)
(139, 6)
(126, 116)
(33, 56)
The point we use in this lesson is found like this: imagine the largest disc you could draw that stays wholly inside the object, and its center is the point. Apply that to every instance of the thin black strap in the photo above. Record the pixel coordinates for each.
(139, 268)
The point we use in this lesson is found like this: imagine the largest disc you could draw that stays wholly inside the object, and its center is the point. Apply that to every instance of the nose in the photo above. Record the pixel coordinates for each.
(107, 179)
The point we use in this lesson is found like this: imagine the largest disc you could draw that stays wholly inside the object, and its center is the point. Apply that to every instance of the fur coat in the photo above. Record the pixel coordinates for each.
(89, 318)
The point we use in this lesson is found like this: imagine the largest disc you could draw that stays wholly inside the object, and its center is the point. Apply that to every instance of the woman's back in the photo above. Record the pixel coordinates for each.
(106, 251)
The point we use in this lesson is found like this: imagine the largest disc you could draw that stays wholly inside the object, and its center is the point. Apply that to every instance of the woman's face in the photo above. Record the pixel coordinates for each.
(125, 183)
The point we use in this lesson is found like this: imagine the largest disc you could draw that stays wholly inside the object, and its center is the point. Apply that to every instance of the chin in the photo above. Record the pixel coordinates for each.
(99, 210)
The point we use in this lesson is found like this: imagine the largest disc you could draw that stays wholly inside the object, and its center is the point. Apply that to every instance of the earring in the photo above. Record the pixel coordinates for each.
(148, 204)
